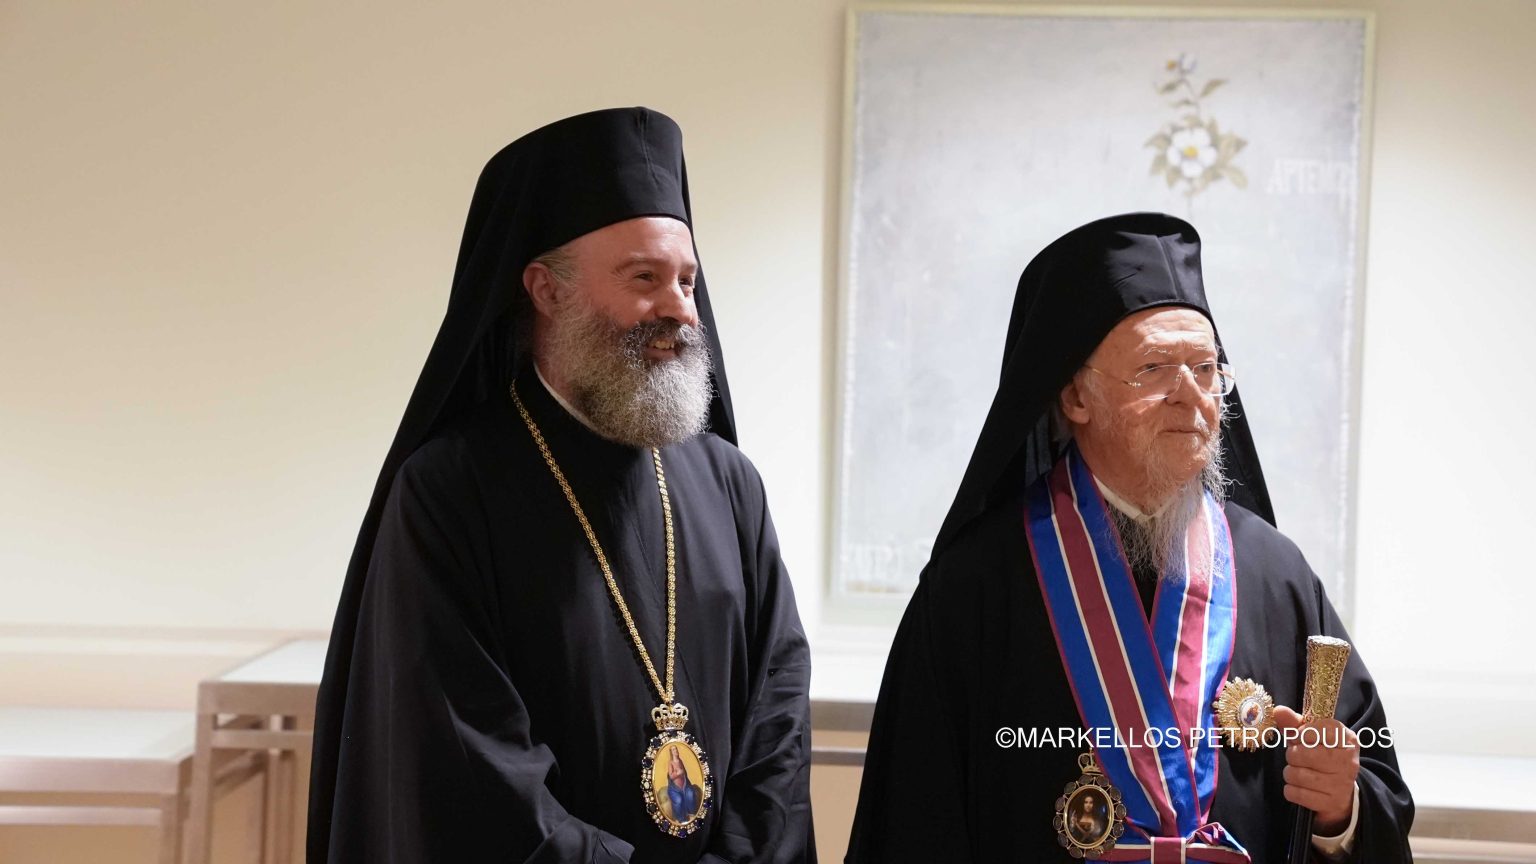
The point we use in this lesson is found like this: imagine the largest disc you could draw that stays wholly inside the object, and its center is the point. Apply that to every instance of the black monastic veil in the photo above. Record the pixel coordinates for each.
(1068, 299)
(480, 700)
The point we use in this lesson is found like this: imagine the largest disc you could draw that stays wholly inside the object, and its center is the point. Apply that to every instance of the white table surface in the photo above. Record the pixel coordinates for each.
(297, 662)
(94, 733)
(1458, 782)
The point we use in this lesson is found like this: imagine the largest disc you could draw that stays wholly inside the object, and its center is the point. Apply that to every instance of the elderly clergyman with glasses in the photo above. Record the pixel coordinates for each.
(1110, 612)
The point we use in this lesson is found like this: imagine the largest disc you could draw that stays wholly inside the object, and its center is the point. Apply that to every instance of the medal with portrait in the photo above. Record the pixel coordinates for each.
(1090, 817)
(1244, 713)
(675, 774)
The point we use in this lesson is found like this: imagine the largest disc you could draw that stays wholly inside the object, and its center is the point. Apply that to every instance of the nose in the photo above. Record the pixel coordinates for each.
(1185, 388)
(675, 301)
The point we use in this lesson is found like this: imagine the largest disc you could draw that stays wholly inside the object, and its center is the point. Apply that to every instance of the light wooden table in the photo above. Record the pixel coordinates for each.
(266, 707)
(97, 755)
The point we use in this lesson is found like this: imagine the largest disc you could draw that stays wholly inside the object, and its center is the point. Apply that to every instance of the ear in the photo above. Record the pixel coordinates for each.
(1073, 404)
(542, 287)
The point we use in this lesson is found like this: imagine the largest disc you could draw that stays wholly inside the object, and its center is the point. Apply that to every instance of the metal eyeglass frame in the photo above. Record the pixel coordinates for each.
(1224, 376)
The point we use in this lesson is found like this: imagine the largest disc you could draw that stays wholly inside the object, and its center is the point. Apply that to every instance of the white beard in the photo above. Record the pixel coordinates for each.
(625, 397)
(1156, 545)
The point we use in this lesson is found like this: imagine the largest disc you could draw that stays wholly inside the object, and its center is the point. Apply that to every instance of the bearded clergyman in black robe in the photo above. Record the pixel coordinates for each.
(1107, 595)
(567, 591)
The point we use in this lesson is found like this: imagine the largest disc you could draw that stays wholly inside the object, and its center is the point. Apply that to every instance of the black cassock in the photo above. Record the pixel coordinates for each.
(496, 709)
(975, 652)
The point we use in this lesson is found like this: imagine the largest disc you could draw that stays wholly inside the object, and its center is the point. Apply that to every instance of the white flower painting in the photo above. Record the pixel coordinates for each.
(1192, 151)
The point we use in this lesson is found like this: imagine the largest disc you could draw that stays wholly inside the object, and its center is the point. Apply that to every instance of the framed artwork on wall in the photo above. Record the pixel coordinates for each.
(975, 135)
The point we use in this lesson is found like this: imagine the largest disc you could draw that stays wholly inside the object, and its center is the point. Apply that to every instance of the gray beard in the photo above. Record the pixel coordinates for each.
(1156, 546)
(625, 397)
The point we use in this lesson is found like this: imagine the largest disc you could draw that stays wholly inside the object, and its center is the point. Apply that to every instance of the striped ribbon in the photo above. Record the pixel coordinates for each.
(1130, 674)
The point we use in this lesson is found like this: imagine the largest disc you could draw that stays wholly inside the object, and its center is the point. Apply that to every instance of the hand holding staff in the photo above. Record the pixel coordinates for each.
(1321, 777)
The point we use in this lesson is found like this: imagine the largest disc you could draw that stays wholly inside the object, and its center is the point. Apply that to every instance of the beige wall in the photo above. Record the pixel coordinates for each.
(227, 232)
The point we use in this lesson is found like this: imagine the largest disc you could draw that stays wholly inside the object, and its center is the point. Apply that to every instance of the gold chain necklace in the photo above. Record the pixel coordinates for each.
(676, 812)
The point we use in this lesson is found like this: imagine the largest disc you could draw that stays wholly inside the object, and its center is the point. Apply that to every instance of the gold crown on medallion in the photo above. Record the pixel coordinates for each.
(670, 718)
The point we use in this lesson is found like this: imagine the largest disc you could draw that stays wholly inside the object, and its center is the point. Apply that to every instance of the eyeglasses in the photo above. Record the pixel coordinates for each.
(1159, 382)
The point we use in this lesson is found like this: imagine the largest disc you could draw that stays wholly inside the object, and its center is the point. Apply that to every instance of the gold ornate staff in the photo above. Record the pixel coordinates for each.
(1326, 658)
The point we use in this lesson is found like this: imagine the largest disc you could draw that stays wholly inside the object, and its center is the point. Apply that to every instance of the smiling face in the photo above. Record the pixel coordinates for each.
(1146, 449)
(634, 272)
(616, 330)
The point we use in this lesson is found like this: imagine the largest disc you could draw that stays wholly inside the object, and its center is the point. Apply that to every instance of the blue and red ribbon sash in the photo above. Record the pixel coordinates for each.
(1131, 675)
